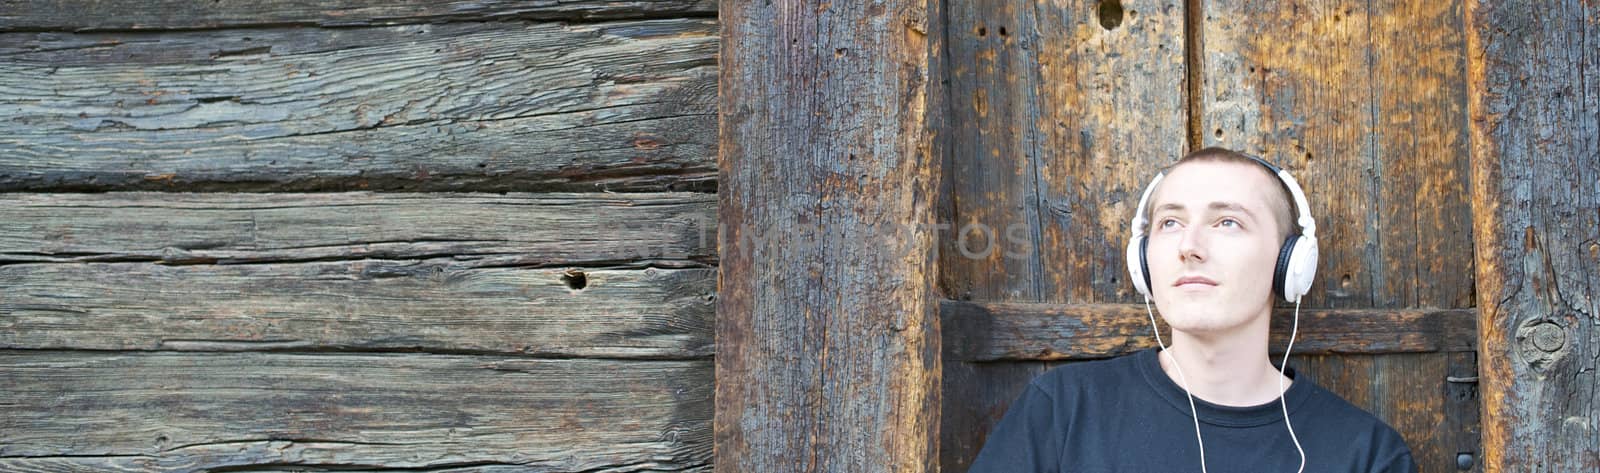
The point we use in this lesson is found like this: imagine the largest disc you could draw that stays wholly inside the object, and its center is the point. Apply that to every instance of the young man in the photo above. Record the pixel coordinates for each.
(1212, 401)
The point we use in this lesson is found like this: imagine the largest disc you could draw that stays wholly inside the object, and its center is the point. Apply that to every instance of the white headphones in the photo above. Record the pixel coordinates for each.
(1297, 258)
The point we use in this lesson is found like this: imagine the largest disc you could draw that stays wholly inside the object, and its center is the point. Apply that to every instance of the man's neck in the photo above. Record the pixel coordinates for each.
(1230, 369)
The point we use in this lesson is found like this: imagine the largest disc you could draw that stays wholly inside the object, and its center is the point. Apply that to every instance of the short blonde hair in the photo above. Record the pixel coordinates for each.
(1282, 207)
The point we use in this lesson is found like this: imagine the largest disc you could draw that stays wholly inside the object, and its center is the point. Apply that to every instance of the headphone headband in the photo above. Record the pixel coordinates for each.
(1272, 167)
(1308, 225)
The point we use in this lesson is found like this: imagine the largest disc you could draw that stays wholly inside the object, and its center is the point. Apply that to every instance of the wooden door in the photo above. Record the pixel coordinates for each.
(1060, 112)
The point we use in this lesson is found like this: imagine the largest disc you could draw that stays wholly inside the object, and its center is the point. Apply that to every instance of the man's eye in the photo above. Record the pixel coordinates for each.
(1163, 223)
(1234, 223)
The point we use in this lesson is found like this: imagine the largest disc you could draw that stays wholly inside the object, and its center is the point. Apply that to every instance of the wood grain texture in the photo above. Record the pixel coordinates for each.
(430, 305)
(540, 274)
(1111, 112)
(89, 411)
(977, 396)
(827, 330)
(1057, 118)
(505, 106)
(1425, 218)
(516, 229)
(1535, 108)
(1412, 392)
(986, 247)
(1364, 104)
(80, 15)
(1017, 331)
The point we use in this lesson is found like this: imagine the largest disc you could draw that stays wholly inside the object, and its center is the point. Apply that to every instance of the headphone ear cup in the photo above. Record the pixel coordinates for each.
(1138, 272)
(1281, 271)
(1144, 265)
(1302, 268)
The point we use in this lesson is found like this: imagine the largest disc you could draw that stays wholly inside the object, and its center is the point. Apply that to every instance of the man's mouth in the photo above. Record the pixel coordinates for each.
(1194, 281)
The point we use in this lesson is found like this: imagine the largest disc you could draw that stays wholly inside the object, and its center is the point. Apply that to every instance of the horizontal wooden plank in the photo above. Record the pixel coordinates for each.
(82, 411)
(431, 306)
(1026, 331)
(172, 14)
(513, 229)
(360, 271)
(503, 106)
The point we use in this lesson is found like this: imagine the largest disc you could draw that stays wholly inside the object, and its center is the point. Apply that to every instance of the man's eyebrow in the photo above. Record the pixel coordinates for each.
(1234, 206)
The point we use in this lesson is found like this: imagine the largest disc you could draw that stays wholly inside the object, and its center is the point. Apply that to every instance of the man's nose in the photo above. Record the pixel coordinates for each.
(1191, 244)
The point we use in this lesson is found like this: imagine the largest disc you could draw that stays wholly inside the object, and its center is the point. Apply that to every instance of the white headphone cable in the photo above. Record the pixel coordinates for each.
(1282, 395)
(1193, 413)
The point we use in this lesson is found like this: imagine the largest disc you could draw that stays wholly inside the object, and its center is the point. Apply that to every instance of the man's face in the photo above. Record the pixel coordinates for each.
(1213, 245)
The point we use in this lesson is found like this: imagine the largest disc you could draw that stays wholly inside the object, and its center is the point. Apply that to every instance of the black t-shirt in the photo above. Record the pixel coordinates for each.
(1125, 415)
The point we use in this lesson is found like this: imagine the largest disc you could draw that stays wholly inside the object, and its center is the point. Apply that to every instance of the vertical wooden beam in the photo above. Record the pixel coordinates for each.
(1059, 113)
(1534, 102)
(994, 214)
(827, 329)
(1111, 109)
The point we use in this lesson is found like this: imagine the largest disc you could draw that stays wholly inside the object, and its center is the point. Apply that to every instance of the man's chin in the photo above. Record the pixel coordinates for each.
(1203, 330)
(1199, 322)
(1179, 303)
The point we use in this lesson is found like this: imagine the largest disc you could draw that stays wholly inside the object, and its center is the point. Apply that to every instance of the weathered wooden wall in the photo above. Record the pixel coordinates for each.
(827, 321)
(1536, 200)
(1062, 111)
(409, 249)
